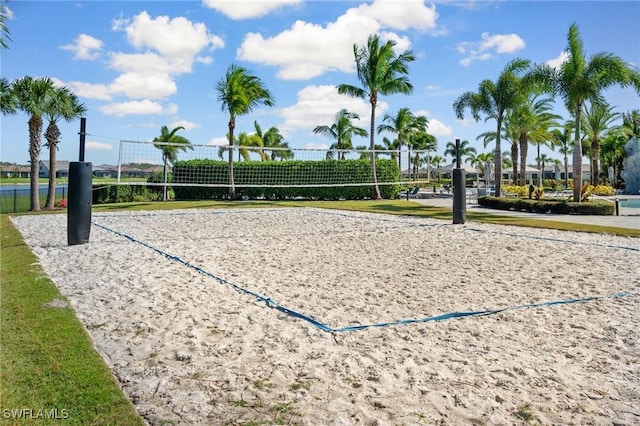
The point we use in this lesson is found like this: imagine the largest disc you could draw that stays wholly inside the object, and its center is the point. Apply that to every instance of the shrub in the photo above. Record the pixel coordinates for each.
(62, 203)
(557, 206)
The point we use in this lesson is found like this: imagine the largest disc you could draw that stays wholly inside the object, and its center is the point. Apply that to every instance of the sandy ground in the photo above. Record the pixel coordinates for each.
(172, 301)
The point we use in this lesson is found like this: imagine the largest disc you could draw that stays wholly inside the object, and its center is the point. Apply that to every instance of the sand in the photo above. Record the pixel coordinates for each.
(174, 303)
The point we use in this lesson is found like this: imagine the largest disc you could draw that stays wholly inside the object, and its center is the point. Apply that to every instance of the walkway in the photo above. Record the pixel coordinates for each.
(630, 218)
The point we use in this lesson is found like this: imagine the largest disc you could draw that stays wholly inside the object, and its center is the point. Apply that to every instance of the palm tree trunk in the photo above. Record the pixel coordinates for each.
(376, 191)
(577, 158)
(35, 129)
(164, 178)
(232, 187)
(595, 160)
(498, 161)
(566, 171)
(524, 150)
(51, 194)
(514, 165)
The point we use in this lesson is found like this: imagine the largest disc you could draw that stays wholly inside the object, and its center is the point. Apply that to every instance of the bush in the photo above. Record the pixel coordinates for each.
(557, 206)
(269, 173)
(121, 194)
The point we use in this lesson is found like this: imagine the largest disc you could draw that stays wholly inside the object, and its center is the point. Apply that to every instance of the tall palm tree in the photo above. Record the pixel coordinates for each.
(465, 150)
(597, 120)
(562, 138)
(169, 142)
(62, 103)
(494, 100)
(579, 80)
(422, 141)
(436, 162)
(381, 72)
(417, 127)
(342, 130)
(399, 124)
(239, 92)
(543, 160)
(32, 96)
(483, 163)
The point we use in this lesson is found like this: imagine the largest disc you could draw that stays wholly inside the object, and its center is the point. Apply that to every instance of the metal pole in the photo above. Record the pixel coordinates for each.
(459, 195)
(83, 130)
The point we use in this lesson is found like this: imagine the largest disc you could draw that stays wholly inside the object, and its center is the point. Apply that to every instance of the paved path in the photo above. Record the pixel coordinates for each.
(630, 218)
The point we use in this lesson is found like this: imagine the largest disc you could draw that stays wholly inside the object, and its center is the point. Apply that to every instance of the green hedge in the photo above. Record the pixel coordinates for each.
(121, 194)
(592, 207)
(270, 173)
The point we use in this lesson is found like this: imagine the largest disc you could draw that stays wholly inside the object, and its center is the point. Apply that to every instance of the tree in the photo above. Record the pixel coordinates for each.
(494, 100)
(239, 93)
(342, 130)
(422, 141)
(465, 150)
(399, 124)
(381, 72)
(280, 148)
(612, 152)
(597, 120)
(170, 143)
(32, 96)
(579, 80)
(631, 123)
(7, 98)
(417, 127)
(483, 163)
(5, 35)
(61, 103)
(562, 138)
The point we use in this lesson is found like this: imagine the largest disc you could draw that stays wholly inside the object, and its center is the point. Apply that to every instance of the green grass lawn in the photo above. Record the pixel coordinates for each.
(47, 361)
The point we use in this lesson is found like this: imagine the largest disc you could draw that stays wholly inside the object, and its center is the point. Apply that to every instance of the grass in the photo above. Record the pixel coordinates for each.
(47, 361)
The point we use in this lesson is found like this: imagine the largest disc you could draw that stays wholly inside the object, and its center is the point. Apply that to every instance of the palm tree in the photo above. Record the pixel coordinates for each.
(342, 129)
(169, 143)
(482, 162)
(579, 80)
(273, 139)
(494, 100)
(465, 150)
(597, 120)
(238, 93)
(422, 141)
(61, 103)
(543, 160)
(32, 97)
(381, 72)
(562, 138)
(7, 98)
(631, 123)
(399, 124)
(417, 126)
(5, 36)
(612, 151)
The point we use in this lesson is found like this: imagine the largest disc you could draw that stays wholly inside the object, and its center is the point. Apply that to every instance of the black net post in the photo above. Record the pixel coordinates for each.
(80, 195)
(459, 190)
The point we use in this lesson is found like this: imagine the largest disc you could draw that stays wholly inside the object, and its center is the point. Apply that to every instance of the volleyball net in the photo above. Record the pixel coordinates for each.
(194, 165)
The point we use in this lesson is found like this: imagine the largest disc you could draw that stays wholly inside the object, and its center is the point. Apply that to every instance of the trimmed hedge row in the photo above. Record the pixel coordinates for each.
(272, 172)
(121, 194)
(592, 207)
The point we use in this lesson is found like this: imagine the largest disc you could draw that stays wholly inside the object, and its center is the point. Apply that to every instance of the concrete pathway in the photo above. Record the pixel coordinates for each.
(629, 217)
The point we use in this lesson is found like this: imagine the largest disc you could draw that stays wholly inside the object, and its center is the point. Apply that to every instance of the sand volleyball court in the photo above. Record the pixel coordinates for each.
(273, 316)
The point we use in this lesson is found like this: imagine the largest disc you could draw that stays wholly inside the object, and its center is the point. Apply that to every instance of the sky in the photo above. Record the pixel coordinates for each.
(141, 65)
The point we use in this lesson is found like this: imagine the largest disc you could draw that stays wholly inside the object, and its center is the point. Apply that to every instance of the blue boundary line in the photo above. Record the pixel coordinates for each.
(318, 324)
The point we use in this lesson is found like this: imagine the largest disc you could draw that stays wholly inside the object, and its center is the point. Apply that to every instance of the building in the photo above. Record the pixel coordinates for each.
(62, 169)
(14, 171)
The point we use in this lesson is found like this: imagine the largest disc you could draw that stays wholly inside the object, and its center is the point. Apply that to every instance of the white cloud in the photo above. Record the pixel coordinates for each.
(558, 61)
(488, 46)
(401, 15)
(90, 90)
(138, 108)
(312, 145)
(174, 38)
(218, 141)
(141, 86)
(85, 47)
(188, 125)
(247, 9)
(437, 128)
(307, 50)
(98, 146)
(318, 105)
